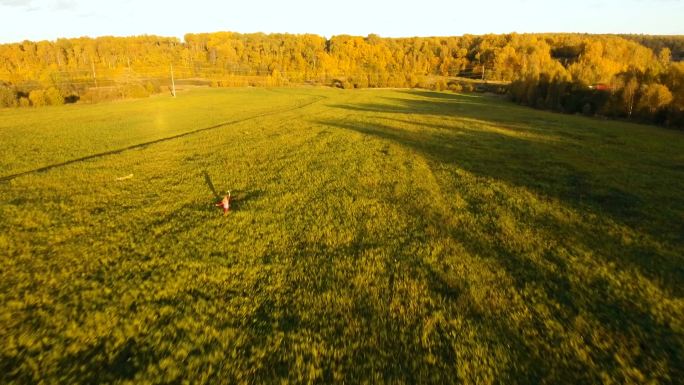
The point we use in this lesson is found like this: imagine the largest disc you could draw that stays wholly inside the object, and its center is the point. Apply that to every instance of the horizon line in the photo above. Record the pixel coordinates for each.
(181, 39)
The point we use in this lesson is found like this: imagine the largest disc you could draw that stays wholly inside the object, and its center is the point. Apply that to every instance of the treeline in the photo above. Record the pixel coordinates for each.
(629, 76)
(674, 43)
(599, 78)
(91, 70)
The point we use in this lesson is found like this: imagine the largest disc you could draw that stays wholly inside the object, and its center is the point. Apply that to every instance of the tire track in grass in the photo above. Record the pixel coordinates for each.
(7, 178)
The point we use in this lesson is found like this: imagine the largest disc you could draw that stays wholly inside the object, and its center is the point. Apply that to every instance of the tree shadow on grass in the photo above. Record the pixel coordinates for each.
(398, 337)
(378, 330)
(564, 298)
(369, 326)
(544, 167)
(326, 308)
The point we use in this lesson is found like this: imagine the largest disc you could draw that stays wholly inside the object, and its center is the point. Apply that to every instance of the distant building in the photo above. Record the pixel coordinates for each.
(600, 87)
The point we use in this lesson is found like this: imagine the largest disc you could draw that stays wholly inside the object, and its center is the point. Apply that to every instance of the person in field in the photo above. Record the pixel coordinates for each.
(225, 204)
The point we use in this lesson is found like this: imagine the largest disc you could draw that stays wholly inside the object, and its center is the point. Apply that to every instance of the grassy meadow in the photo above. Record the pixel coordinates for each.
(379, 237)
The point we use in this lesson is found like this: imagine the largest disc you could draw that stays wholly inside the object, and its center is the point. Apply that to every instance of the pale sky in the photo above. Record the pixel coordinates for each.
(51, 19)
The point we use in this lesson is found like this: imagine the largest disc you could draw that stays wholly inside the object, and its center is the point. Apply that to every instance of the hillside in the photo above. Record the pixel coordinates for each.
(549, 71)
(377, 236)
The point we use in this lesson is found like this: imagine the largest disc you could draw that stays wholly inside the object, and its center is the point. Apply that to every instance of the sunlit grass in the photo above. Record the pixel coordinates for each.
(379, 237)
(50, 135)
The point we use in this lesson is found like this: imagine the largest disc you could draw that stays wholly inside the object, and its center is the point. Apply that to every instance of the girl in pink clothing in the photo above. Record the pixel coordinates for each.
(225, 204)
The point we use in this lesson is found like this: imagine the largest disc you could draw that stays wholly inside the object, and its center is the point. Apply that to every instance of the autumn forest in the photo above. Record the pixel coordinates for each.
(633, 77)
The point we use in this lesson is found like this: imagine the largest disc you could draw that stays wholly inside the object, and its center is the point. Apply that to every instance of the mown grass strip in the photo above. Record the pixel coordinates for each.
(7, 178)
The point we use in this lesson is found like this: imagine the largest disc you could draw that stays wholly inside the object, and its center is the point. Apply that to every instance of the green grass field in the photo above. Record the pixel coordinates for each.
(380, 236)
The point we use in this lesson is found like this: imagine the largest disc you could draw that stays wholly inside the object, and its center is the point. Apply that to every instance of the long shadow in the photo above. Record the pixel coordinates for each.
(383, 334)
(528, 346)
(7, 178)
(436, 95)
(583, 297)
(433, 106)
(210, 184)
(547, 168)
(239, 198)
(521, 161)
(391, 344)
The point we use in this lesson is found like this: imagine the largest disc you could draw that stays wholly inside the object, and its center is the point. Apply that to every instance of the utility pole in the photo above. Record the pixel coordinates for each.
(173, 83)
